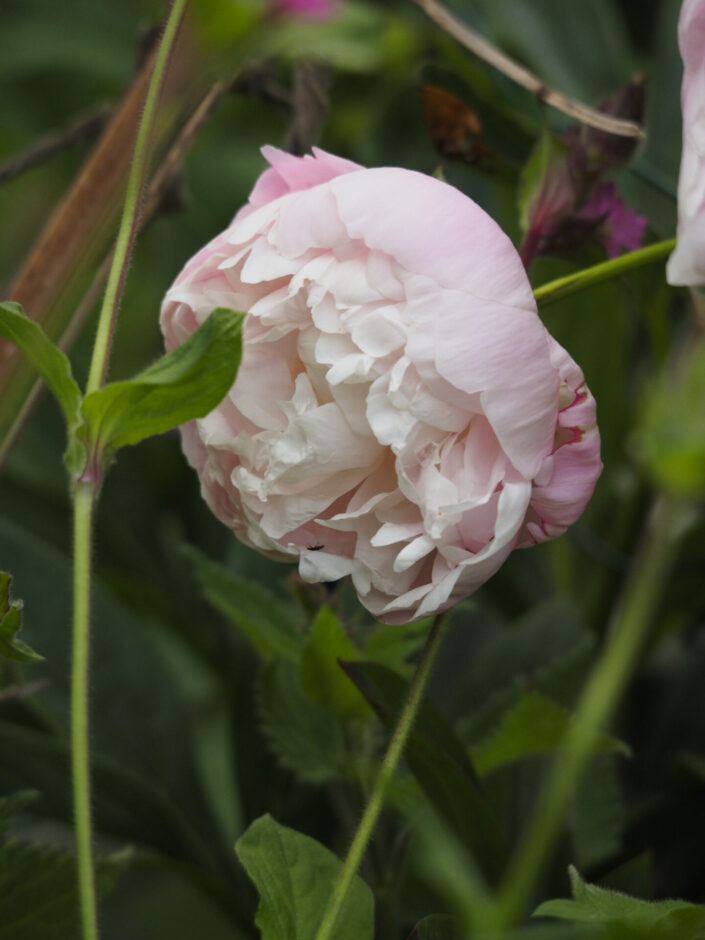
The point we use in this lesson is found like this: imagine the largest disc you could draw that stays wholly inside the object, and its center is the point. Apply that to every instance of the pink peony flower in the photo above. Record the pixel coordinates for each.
(686, 266)
(316, 9)
(401, 415)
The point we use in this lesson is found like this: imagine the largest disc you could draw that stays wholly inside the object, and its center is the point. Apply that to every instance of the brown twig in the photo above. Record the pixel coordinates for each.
(76, 237)
(81, 128)
(517, 73)
(163, 179)
(309, 106)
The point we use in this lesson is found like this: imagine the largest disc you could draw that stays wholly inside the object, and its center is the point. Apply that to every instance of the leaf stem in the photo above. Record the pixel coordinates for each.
(563, 286)
(84, 501)
(130, 213)
(386, 773)
(626, 633)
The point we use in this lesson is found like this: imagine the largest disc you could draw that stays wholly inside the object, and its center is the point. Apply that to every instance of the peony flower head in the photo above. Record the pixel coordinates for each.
(401, 415)
(686, 266)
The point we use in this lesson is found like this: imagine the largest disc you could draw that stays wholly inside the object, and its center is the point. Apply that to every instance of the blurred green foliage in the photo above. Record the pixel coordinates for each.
(216, 694)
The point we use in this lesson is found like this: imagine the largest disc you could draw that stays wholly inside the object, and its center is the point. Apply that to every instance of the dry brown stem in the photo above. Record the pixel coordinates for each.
(517, 73)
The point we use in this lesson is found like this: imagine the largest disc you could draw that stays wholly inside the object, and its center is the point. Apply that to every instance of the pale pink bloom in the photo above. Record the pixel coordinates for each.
(686, 266)
(401, 415)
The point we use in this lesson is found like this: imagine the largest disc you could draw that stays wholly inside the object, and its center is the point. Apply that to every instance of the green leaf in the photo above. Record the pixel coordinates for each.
(271, 626)
(534, 650)
(322, 679)
(393, 646)
(670, 442)
(186, 383)
(38, 895)
(304, 737)
(53, 366)
(678, 919)
(145, 790)
(295, 876)
(436, 927)
(597, 817)
(359, 38)
(10, 623)
(439, 763)
(534, 725)
(9, 805)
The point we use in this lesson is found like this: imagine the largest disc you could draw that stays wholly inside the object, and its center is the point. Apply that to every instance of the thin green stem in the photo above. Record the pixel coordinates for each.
(85, 496)
(84, 500)
(626, 633)
(386, 773)
(606, 271)
(130, 213)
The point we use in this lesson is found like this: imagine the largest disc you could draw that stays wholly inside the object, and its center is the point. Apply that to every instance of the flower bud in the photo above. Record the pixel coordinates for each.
(401, 415)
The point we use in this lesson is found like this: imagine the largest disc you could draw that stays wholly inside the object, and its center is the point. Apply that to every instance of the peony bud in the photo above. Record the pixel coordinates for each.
(686, 266)
(401, 414)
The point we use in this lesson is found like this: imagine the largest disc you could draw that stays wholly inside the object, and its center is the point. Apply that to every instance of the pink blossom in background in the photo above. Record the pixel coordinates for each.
(401, 415)
(621, 229)
(686, 266)
(317, 9)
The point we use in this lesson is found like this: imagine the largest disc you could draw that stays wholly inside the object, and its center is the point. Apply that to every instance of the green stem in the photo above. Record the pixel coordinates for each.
(84, 500)
(85, 495)
(386, 773)
(626, 634)
(130, 213)
(572, 283)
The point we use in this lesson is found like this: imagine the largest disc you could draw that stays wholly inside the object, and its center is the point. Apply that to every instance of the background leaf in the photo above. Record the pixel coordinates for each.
(10, 623)
(612, 908)
(53, 366)
(534, 725)
(295, 875)
(322, 679)
(186, 383)
(439, 763)
(303, 736)
(274, 629)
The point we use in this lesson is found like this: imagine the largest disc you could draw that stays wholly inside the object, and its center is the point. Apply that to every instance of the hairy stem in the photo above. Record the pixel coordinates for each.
(84, 500)
(626, 633)
(386, 773)
(130, 213)
(605, 271)
(85, 496)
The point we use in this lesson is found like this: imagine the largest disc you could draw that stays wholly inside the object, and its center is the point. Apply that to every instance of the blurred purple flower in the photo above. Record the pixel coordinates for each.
(621, 229)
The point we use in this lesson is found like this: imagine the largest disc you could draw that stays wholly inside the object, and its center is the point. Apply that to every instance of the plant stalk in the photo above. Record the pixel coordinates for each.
(84, 501)
(130, 213)
(386, 773)
(85, 495)
(564, 286)
(625, 638)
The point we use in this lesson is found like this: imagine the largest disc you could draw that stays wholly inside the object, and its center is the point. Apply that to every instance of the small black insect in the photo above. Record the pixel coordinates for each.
(315, 548)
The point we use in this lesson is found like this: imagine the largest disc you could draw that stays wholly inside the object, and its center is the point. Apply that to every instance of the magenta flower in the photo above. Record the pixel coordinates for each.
(686, 265)
(620, 229)
(401, 414)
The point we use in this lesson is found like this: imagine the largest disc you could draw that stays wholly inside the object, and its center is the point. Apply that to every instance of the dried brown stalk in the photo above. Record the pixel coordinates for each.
(77, 236)
(81, 128)
(517, 73)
